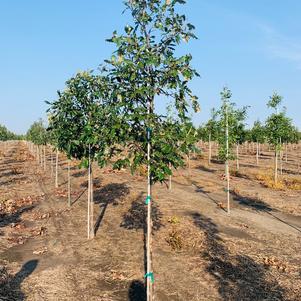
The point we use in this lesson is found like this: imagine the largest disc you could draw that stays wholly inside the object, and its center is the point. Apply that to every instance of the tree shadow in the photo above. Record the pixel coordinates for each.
(207, 194)
(290, 171)
(13, 180)
(10, 173)
(109, 194)
(135, 219)
(79, 196)
(206, 169)
(252, 203)
(217, 161)
(10, 286)
(258, 205)
(80, 173)
(6, 219)
(96, 182)
(137, 291)
(239, 174)
(239, 277)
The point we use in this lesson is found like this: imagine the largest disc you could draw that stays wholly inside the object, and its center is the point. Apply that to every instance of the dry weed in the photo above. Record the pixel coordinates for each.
(283, 183)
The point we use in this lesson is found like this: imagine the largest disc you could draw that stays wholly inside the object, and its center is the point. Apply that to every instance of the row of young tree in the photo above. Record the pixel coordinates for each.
(227, 126)
(6, 134)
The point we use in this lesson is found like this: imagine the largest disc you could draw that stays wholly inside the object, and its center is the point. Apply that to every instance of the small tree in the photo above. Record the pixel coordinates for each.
(38, 135)
(83, 123)
(143, 68)
(230, 131)
(5, 134)
(238, 130)
(257, 135)
(210, 132)
(278, 127)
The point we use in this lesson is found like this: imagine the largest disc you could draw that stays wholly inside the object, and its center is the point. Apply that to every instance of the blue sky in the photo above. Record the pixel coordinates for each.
(254, 47)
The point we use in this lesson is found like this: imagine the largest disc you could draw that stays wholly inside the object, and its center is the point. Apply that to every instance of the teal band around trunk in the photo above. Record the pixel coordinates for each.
(151, 276)
(147, 200)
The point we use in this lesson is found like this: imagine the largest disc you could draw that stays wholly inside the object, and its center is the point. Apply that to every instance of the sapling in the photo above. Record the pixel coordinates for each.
(144, 67)
(230, 125)
(278, 126)
(84, 125)
(258, 136)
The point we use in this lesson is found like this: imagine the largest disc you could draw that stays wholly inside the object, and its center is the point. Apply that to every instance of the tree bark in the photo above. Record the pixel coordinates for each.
(227, 162)
(91, 202)
(169, 185)
(57, 169)
(51, 162)
(69, 185)
(257, 154)
(209, 156)
(286, 156)
(44, 157)
(276, 166)
(237, 157)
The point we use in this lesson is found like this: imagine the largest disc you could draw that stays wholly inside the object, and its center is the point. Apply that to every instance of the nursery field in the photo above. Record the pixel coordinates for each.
(199, 251)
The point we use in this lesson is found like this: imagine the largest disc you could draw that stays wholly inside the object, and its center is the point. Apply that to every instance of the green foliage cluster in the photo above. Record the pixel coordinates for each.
(229, 116)
(209, 131)
(5, 134)
(112, 115)
(257, 133)
(82, 121)
(278, 127)
(37, 133)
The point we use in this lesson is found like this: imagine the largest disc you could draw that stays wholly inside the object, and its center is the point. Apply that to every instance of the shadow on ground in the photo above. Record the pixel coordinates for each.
(238, 277)
(109, 194)
(137, 291)
(10, 286)
(7, 219)
(252, 203)
(135, 219)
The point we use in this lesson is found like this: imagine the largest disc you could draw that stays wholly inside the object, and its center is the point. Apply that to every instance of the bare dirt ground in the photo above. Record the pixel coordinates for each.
(199, 251)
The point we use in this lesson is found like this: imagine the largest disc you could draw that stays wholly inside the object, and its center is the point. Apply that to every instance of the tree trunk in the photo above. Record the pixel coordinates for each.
(286, 150)
(57, 169)
(92, 202)
(149, 221)
(51, 162)
(188, 163)
(44, 157)
(237, 157)
(89, 196)
(69, 185)
(38, 154)
(281, 162)
(276, 166)
(257, 154)
(227, 162)
(169, 186)
(209, 156)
